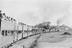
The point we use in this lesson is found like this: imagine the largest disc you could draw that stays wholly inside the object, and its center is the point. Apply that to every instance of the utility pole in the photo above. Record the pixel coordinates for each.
(14, 35)
(0, 19)
(22, 24)
(22, 30)
(17, 32)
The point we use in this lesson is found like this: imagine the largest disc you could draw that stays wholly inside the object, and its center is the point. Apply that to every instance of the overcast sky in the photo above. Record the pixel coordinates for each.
(36, 11)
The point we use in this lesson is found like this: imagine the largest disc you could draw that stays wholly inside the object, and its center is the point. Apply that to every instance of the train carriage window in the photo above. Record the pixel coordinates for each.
(19, 31)
(12, 32)
(3, 32)
(6, 33)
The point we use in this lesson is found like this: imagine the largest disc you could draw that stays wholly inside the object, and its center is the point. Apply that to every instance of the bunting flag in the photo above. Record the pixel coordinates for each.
(4, 15)
(14, 20)
(7, 18)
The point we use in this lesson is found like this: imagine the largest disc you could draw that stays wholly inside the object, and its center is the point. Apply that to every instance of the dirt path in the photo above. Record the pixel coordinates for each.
(48, 40)
(25, 42)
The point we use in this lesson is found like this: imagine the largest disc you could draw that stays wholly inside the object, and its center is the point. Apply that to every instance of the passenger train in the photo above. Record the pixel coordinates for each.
(11, 28)
(10, 25)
